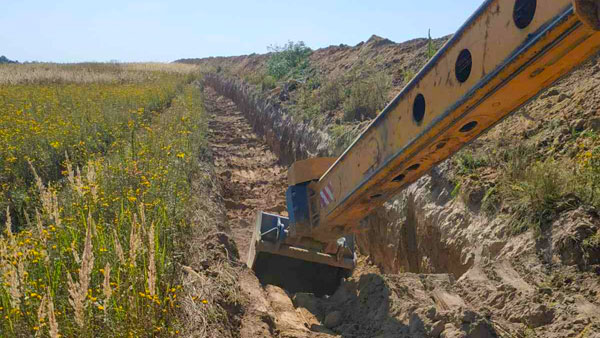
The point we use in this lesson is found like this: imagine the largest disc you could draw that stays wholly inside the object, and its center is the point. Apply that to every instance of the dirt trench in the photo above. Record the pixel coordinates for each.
(252, 180)
(450, 296)
(448, 273)
(367, 304)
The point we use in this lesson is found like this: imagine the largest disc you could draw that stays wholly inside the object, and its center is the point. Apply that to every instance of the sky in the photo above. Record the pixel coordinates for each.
(162, 30)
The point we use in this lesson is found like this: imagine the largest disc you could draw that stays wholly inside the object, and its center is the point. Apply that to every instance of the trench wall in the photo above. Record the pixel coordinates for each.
(291, 140)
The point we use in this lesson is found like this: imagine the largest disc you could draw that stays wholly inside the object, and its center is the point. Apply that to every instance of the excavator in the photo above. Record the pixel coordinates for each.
(505, 54)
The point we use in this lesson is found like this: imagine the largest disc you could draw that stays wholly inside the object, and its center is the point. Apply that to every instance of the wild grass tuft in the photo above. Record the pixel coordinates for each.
(366, 96)
(467, 162)
(534, 197)
(332, 93)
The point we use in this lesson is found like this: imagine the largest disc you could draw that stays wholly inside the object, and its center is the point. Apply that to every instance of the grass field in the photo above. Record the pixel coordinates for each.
(94, 168)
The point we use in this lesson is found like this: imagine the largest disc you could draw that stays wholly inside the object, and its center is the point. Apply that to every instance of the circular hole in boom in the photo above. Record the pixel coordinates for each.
(524, 12)
(468, 127)
(419, 108)
(399, 178)
(413, 167)
(464, 64)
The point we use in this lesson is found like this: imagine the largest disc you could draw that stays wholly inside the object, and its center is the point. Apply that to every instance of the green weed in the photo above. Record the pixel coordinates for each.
(467, 162)
(534, 197)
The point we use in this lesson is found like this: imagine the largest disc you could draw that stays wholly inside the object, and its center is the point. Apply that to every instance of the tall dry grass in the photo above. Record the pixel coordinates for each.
(37, 73)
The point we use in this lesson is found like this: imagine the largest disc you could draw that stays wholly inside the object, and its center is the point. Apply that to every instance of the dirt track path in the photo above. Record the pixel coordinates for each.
(252, 180)
(248, 171)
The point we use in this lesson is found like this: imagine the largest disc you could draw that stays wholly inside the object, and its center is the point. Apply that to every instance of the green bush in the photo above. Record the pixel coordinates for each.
(254, 78)
(288, 60)
(308, 105)
(268, 82)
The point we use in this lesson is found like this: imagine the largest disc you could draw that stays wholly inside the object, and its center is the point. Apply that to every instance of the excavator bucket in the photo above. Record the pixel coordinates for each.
(294, 268)
(283, 251)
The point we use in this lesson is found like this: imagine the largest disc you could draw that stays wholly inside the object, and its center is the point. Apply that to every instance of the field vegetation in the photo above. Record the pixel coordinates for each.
(51, 73)
(94, 167)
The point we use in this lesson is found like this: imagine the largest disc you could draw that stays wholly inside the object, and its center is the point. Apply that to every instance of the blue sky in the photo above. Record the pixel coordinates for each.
(135, 30)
